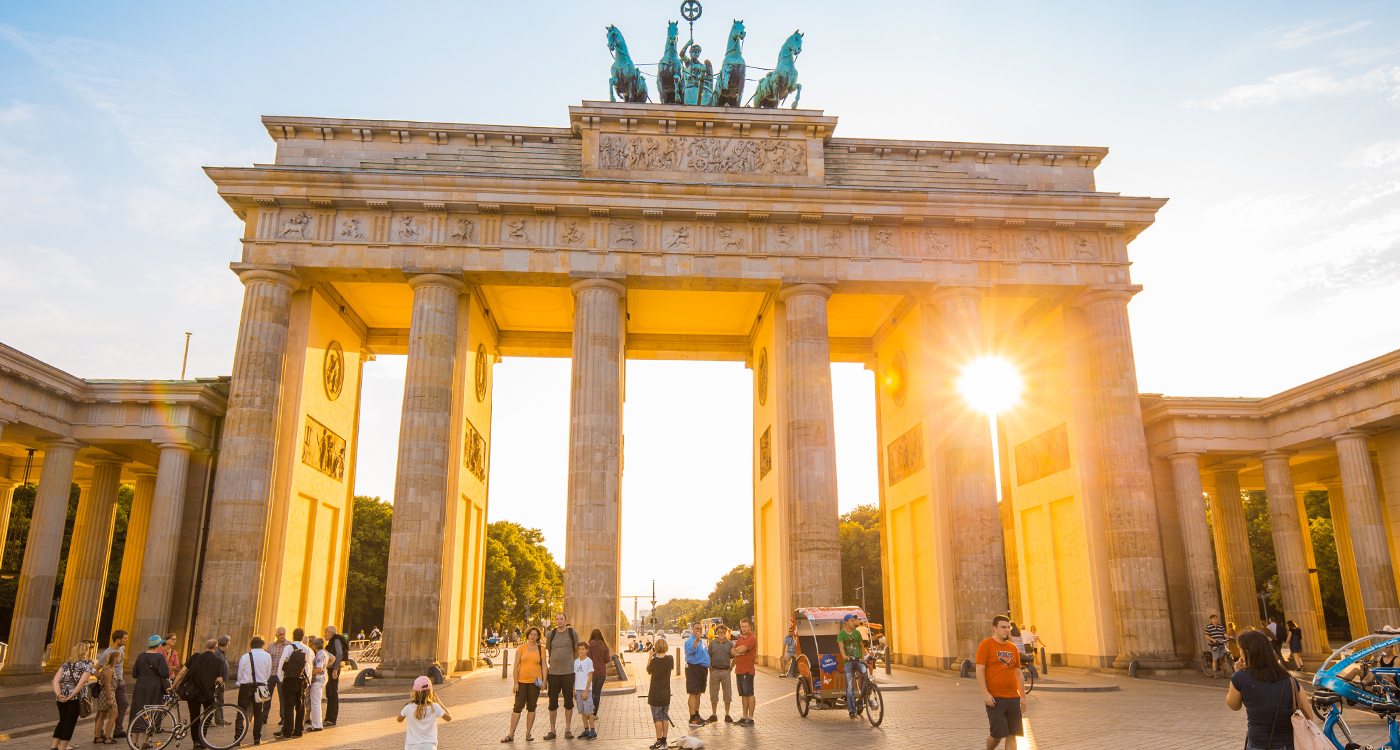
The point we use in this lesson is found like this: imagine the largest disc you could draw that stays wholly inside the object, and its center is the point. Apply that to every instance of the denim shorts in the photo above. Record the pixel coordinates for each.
(660, 713)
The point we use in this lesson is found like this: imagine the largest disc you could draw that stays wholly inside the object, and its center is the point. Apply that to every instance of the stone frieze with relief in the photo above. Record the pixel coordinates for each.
(664, 153)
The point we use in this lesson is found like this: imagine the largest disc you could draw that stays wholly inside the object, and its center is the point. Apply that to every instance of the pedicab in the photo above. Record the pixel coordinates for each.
(1362, 674)
(821, 675)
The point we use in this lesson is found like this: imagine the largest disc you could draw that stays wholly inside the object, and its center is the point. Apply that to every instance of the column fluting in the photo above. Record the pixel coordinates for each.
(1290, 553)
(1134, 542)
(1368, 538)
(162, 543)
(134, 553)
(237, 535)
(1195, 542)
(1346, 559)
(34, 594)
(814, 535)
(85, 577)
(979, 550)
(414, 585)
(1237, 587)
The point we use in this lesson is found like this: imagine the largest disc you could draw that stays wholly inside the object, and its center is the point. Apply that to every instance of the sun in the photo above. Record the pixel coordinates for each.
(990, 384)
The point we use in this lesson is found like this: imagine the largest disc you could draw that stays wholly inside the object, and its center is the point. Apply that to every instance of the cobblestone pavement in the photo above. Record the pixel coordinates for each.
(943, 713)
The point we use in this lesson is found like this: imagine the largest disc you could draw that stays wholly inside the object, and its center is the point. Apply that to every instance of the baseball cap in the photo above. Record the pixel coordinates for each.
(422, 683)
(852, 616)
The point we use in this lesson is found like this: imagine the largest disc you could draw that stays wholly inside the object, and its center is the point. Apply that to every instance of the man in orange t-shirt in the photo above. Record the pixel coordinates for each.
(999, 677)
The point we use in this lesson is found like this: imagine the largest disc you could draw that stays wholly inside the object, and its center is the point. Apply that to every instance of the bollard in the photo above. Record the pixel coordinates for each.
(966, 668)
(678, 662)
(435, 674)
(621, 668)
(505, 663)
(1132, 668)
(887, 660)
(1044, 663)
(364, 675)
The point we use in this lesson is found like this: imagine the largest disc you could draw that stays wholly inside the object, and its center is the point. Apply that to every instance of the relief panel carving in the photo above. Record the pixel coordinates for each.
(323, 450)
(906, 455)
(474, 451)
(1042, 455)
(713, 155)
(765, 453)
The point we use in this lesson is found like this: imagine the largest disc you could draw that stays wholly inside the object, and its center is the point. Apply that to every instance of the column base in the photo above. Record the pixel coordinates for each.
(403, 670)
(1153, 662)
(24, 676)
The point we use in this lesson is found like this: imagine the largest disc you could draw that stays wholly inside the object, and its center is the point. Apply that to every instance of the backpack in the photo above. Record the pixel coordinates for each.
(573, 642)
(295, 665)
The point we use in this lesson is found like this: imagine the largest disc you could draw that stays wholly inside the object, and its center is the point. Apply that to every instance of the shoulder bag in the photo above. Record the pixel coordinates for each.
(1306, 734)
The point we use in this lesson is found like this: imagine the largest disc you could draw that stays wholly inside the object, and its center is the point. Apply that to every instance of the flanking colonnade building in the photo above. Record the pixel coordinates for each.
(694, 233)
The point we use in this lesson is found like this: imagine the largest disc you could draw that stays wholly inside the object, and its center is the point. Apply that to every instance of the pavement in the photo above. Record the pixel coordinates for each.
(943, 712)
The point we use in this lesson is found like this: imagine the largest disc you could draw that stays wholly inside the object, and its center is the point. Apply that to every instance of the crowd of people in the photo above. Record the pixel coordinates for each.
(1223, 642)
(565, 666)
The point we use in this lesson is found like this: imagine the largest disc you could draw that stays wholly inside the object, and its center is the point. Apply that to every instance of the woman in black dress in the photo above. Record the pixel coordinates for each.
(1295, 645)
(1268, 694)
(152, 674)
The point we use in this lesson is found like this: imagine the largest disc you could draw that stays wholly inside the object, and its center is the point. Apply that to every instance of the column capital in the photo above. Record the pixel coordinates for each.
(436, 279)
(186, 447)
(1225, 468)
(1349, 435)
(607, 285)
(283, 275)
(142, 472)
(963, 291)
(60, 442)
(788, 291)
(1180, 456)
(109, 461)
(1272, 456)
(1105, 293)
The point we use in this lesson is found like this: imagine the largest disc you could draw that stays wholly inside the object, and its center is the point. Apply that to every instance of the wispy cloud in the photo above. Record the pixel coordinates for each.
(1305, 84)
(1375, 155)
(1309, 33)
(18, 112)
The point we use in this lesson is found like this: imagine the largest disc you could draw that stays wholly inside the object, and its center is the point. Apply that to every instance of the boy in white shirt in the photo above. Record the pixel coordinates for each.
(583, 690)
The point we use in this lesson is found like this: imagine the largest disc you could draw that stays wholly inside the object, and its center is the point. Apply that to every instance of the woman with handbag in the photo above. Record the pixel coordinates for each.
(529, 678)
(152, 674)
(1267, 693)
(104, 700)
(68, 683)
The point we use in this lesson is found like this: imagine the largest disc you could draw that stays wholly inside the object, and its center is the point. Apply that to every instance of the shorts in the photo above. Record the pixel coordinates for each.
(719, 678)
(695, 678)
(1005, 717)
(561, 683)
(1217, 651)
(527, 697)
(661, 713)
(584, 700)
(745, 684)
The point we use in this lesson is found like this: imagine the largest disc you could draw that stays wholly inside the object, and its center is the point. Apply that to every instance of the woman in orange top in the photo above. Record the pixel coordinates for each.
(529, 678)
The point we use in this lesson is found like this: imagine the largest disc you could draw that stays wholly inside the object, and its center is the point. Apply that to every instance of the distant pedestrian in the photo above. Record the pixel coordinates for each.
(294, 673)
(1031, 639)
(275, 651)
(104, 706)
(118, 646)
(1268, 694)
(375, 634)
(560, 645)
(151, 672)
(697, 670)
(361, 636)
(583, 690)
(320, 668)
(339, 649)
(789, 654)
(1215, 641)
(68, 683)
(599, 653)
(1295, 645)
(745, 656)
(529, 678)
(1232, 635)
(254, 671)
(422, 712)
(204, 673)
(1003, 692)
(171, 653)
(660, 666)
(721, 671)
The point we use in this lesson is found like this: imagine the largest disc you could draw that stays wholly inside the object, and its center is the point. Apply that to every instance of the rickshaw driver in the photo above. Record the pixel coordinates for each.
(851, 643)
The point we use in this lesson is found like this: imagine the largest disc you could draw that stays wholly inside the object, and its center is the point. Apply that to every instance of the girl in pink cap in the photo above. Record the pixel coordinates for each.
(422, 713)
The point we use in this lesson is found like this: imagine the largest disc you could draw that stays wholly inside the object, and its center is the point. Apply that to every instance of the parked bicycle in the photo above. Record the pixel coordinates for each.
(222, 726)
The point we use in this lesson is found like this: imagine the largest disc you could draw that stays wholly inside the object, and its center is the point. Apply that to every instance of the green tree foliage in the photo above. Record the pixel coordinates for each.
(622, 621)
(371, 527)
(125, 494)
(1329, 571)
(860, 548)
(523, 582)
(677, 612)
(21, 508)
(1261, 549)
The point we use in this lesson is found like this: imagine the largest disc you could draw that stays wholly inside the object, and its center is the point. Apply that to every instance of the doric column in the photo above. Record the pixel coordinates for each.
(979, 556)
(1367, 526)
(414, 585)
(1314, 589)
(1289, 551)
(234, 552)
(85, 578)
(7, 495)
(1195, 541)
(1346, 560)
(1237, 586)
(595, 457)
(1134, 544)
(34, 595)
(134, 553)
(814, 536)
(163, 542)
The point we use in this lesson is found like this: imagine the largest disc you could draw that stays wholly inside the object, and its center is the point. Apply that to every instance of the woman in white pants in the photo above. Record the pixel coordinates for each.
(318, 681)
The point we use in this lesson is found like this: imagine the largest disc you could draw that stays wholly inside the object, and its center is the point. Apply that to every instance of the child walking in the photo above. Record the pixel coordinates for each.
(422, 713)
(660, 666)
(583, 691)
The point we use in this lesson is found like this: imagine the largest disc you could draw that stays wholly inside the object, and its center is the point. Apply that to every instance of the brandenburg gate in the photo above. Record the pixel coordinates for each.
(650, 231)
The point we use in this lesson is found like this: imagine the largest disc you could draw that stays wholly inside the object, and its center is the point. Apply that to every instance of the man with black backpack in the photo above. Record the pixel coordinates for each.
(560, 645)
(339, 649)
(294, 673)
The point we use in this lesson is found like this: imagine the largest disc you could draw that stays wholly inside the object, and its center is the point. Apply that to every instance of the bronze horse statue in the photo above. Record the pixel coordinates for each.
(775, 87)
(668, 72)
(729, 88)
(626, 80)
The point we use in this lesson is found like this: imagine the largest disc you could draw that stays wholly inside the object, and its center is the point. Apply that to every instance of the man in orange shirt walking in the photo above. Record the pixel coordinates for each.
(999, 677)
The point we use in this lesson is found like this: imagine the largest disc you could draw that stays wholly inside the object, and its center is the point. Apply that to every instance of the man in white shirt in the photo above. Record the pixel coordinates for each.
(254, 670)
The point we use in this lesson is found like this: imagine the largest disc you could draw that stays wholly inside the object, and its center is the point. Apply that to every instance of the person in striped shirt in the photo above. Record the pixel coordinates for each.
(1215, 636)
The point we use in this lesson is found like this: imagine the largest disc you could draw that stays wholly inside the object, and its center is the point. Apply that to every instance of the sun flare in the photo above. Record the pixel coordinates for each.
(990, 384)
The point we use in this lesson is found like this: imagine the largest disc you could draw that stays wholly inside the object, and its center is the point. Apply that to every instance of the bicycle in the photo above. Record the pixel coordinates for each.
(1028, 673)
(868, 698)
(1208, 664)
(222, 726)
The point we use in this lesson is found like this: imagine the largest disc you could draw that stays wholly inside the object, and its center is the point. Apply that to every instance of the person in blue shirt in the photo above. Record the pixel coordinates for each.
(697, 670)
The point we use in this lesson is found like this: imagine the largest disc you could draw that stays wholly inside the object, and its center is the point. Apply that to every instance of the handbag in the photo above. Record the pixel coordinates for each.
(1306, 734)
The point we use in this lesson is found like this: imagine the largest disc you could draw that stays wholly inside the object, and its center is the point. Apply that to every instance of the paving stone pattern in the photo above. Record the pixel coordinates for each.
(943, 713)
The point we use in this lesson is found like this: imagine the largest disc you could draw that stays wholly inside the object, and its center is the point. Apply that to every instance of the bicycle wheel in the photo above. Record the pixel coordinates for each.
(223, 726)
(874, 703)
(1207, 664)
(804, 697)
(152, 729)
(1028, 675)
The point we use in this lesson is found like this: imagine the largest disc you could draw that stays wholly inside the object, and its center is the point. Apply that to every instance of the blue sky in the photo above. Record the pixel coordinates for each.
(1274, 128)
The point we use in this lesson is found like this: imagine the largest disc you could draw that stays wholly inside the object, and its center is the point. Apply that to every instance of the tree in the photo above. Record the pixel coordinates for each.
(622, 620)
(499, 582)
(371, 528)
(125, 494)
(21, 508)
(860, 549)
(678, 612)
(533, 590)
(1329, 572)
